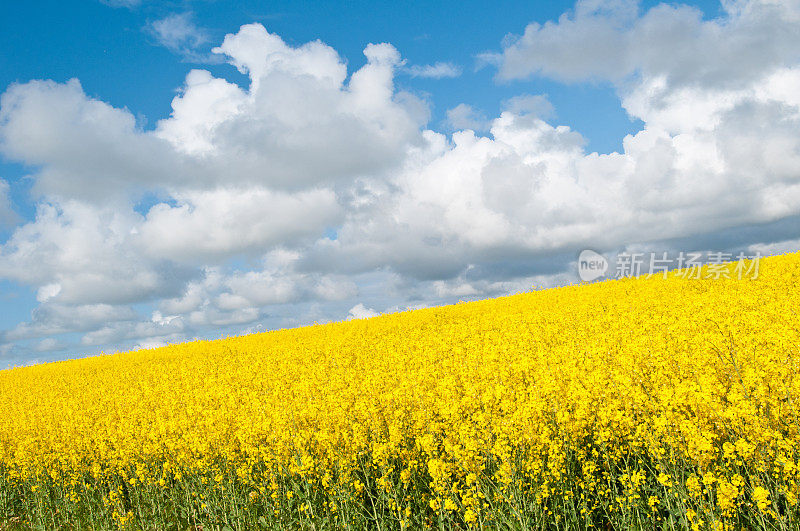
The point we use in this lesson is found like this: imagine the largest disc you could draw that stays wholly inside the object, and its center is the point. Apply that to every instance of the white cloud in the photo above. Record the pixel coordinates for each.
(53, 319)
(445, 289)
(530, 190)
(77, 253)
(435, 71)
(359, 311)
(194, 296)
(464, 116)
(603, 40)
(207, 225)
(334, 288)
(48, 291)
(84, 148)
(179, 34)
(277, 282)
(255, 289)
(300, 124)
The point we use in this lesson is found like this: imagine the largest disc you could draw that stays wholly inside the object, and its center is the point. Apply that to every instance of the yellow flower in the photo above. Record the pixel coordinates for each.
(727, 495)
(693, 485)
(470, 516)
(761, 497)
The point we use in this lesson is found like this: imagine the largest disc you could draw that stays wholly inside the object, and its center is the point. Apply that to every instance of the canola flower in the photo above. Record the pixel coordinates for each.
(643, 403)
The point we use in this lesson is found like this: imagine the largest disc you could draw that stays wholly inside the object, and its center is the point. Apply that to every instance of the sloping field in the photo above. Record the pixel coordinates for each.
(644, 403)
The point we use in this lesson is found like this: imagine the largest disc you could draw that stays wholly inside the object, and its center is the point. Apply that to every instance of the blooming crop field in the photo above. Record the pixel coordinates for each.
(638, 403)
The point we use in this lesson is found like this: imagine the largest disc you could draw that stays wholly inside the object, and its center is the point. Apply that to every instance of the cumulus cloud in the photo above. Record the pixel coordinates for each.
(301, 123)
(313, 193)
(719, 149)
(207, 225)
(612, 40)
(77, 253)
(531, 190)
(84, 148)
(241, 171)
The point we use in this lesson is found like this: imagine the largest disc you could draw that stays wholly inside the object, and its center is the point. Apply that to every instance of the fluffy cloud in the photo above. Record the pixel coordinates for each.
(216, 224)
(301, 123)
(179, 34)
(310, 194)
(84, 148)
(77, 253)
(611, 40)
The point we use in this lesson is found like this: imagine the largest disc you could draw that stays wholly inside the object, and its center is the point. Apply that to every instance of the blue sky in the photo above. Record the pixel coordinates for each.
(485, 161)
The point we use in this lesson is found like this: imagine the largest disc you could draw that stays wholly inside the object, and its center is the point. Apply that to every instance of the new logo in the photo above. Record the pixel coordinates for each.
(591, 265)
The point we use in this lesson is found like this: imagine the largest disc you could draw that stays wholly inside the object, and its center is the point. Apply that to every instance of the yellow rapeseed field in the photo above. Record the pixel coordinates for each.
(637, 403)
